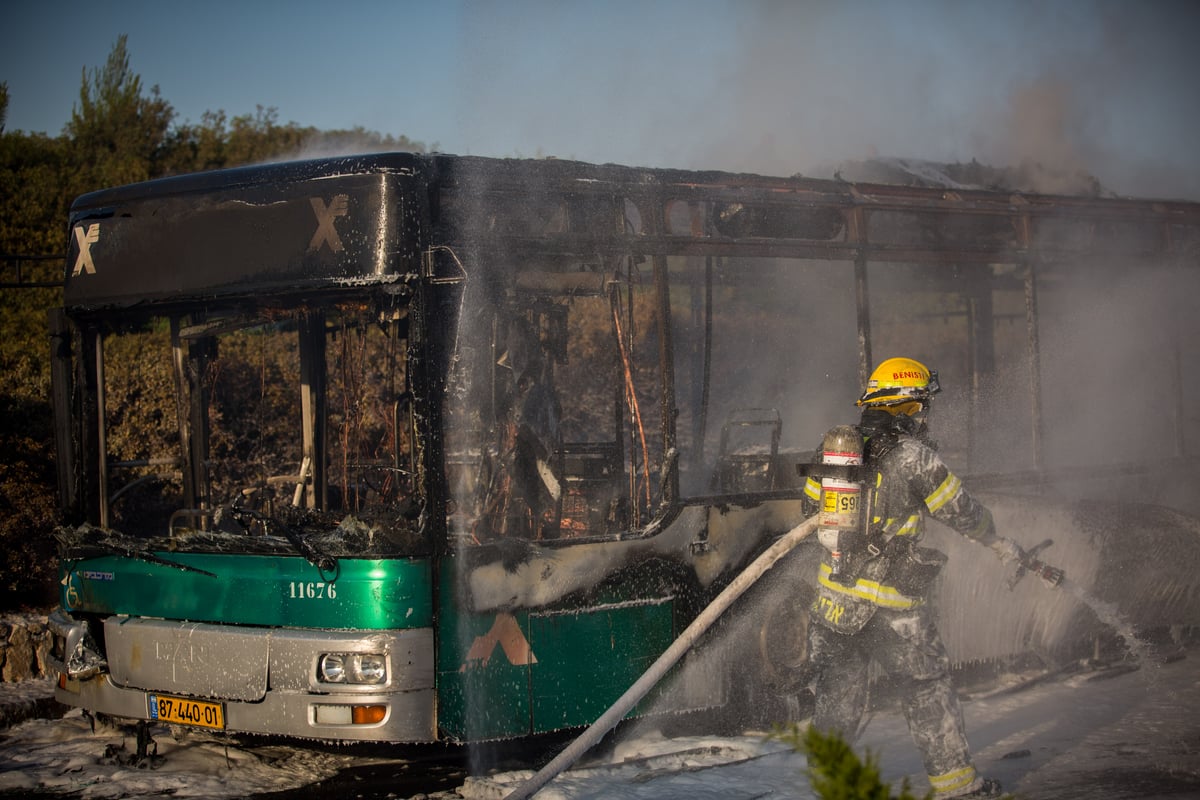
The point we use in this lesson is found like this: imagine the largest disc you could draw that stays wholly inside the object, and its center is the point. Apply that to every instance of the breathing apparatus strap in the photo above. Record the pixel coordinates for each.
(879, 539)
(878, 444)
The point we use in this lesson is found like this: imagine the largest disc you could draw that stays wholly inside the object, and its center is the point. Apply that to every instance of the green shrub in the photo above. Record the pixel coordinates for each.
(835, 770)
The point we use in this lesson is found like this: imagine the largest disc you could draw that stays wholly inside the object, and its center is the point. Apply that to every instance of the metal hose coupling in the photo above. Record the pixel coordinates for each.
(1029, 562)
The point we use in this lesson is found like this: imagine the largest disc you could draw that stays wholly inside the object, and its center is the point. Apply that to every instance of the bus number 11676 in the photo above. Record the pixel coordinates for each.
(301, 590)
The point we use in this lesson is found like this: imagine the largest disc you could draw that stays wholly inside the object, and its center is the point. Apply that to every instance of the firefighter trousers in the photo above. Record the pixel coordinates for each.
(906, 644)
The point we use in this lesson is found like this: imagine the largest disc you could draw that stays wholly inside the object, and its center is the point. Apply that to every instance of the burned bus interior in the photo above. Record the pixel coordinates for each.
(591, 345)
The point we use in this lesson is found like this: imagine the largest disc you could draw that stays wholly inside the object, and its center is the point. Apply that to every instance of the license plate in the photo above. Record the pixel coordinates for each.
(182, 711)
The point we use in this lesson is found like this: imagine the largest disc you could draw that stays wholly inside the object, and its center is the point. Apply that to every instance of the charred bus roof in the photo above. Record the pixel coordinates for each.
(342, 223)
(240, 232)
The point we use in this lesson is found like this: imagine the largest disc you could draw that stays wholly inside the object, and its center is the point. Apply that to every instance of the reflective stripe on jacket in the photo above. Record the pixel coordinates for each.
(863, 589)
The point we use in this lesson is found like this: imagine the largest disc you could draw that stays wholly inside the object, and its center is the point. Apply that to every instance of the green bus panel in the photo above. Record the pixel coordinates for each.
(586, 660)
(508, 674)
(278, 591)
(483, 675)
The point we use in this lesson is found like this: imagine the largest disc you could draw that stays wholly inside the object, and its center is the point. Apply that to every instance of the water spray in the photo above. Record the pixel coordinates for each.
(1028, 562)
(1106, 613)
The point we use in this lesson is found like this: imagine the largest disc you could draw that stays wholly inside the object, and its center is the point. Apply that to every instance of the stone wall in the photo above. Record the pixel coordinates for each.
(24, 647)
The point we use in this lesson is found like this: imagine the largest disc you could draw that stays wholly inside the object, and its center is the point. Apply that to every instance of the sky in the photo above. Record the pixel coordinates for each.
(1109, 87)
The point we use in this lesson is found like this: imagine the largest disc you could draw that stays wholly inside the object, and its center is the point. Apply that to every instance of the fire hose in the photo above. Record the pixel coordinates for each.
(1028, 562)
(608, 720)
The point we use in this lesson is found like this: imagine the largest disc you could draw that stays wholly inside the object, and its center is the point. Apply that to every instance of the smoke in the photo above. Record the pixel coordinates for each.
(1098, 88)
(1039, 139)
(804, 88)
(1095, 332)
(1076, 90)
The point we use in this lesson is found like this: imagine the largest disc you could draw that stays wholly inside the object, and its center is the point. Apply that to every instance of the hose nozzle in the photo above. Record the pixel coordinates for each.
(1029, 562)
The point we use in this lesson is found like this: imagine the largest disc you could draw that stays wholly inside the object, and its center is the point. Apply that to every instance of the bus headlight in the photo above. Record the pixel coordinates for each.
(371, 668)
(332, 668)
(352, 668)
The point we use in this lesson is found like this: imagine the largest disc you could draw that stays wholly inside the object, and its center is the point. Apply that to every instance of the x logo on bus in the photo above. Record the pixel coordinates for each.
(85, 240)
(326, 233)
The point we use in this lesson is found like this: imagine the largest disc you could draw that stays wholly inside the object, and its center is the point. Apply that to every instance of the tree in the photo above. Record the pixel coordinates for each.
(32, 210)
(196, 148)
(117, 135)
(219, 142)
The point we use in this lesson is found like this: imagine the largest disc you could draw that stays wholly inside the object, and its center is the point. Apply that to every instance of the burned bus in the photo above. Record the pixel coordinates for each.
(408, 448)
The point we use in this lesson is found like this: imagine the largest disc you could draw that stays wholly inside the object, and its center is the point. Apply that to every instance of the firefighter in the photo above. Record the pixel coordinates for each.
(871, 601)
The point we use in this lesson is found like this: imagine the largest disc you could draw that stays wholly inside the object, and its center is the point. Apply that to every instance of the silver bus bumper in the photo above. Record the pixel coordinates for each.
(265, 679)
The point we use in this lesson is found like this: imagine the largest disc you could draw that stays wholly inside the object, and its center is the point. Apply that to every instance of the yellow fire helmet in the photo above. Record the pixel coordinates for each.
(900, 386)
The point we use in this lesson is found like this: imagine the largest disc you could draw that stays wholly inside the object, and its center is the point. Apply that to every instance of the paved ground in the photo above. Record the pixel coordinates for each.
(1118, 734)
(32, 699)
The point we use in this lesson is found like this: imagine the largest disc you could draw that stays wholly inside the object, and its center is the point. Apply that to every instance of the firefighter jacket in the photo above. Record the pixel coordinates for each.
(906, 479)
